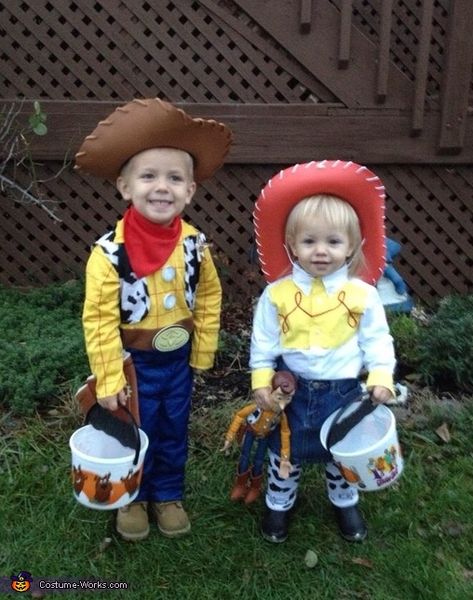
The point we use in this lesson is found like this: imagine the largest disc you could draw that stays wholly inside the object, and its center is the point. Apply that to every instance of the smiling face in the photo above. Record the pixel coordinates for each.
(322, 233)
(159, 183)
(321, 249)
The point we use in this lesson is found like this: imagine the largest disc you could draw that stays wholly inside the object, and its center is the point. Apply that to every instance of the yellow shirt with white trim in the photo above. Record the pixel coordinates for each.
(323, 328)
(167, 305)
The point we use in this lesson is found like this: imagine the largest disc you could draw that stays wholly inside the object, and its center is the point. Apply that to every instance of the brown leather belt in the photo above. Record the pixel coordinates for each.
(164, 339)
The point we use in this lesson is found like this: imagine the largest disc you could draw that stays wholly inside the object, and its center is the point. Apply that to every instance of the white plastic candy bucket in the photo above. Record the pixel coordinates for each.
(105, 474)
(369, 455)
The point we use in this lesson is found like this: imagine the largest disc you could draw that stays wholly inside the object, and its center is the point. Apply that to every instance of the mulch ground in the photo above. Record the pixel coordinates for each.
(230, 377)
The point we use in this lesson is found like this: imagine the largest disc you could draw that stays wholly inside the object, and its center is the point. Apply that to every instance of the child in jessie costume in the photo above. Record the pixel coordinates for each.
(320, 238)
(152, 289)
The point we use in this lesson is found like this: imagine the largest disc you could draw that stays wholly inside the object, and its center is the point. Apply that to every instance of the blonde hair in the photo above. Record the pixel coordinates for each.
(337, 213)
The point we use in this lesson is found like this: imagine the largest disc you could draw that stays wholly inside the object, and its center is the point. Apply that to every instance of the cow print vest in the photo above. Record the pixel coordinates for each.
(134, 295)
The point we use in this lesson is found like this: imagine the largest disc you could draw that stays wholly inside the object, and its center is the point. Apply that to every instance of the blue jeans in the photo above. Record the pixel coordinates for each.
(164, 393)
(312, 403)
(249, 439)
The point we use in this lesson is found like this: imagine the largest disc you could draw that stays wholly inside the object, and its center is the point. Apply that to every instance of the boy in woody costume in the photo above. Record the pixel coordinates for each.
(152, 289)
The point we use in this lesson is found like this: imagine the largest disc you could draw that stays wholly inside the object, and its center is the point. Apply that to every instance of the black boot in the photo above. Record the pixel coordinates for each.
(275, 525)
(351, 523)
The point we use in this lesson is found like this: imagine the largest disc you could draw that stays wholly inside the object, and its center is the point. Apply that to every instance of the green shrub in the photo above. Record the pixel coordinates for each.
(445, 345)
(43, 346)
(405, 331)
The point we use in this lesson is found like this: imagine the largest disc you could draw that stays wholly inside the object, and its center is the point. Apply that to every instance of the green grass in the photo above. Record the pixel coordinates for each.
(420, 542)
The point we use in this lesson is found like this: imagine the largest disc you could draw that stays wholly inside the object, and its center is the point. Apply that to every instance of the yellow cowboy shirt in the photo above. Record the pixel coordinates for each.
(165, 302)
(324, 328)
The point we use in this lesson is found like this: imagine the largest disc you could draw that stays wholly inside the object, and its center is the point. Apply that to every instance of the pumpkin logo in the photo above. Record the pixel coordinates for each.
(21, 582)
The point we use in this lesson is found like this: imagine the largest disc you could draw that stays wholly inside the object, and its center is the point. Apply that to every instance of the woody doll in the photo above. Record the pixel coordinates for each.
(253, 426)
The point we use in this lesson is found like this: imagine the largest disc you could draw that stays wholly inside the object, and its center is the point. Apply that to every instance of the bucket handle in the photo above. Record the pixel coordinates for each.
(339, 427)
(103, 419)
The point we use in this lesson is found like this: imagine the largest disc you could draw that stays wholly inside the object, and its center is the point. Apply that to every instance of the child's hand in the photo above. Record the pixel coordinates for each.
(263, 399)
(380, 394)
(112, 402)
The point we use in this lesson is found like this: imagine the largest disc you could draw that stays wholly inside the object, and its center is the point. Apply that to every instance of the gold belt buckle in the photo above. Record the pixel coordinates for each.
(170, 338)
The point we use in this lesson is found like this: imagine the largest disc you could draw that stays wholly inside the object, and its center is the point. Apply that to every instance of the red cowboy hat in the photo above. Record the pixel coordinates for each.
(351, 182)
(152, 123)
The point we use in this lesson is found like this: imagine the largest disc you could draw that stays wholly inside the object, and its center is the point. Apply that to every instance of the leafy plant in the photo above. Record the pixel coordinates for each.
(15, 139)
(37, 120)
(230, 344)
(405, 331)
(43, 348)
(445, 346)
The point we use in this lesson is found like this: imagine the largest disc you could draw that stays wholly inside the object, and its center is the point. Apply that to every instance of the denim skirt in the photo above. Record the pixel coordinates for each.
(312, 403)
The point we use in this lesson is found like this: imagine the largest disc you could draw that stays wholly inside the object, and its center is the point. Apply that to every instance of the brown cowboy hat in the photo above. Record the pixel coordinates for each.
(152, 123)
(351, 182)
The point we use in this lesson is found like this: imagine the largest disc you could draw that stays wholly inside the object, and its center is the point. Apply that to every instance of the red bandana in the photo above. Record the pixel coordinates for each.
(148, 244)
